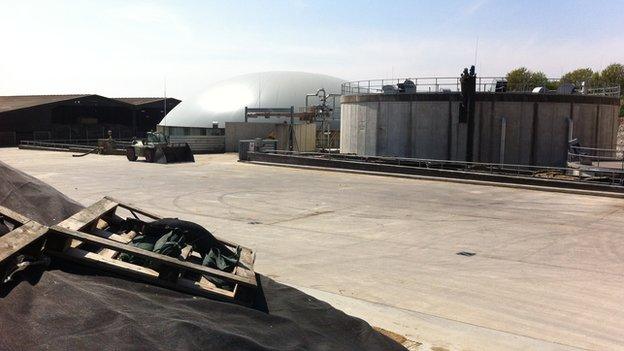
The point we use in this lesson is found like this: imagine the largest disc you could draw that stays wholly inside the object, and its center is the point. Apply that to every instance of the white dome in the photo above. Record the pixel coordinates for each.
(225, 101)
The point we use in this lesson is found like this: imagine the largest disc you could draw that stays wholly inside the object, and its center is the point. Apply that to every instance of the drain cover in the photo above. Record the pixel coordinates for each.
(466, 253)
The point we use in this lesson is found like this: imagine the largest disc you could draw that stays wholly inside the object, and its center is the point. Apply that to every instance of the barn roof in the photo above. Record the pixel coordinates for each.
(18, 102)
(138, 101)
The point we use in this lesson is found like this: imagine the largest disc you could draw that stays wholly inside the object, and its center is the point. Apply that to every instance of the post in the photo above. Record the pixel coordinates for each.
(245, 114)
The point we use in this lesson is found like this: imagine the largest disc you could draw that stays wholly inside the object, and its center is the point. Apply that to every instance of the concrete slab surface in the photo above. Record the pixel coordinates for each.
(547, 273)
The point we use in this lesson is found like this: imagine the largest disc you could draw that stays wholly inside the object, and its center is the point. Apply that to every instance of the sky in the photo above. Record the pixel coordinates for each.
(131, 48)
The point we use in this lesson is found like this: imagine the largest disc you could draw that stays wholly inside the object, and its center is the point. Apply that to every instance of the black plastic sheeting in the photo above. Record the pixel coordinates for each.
(71, 307)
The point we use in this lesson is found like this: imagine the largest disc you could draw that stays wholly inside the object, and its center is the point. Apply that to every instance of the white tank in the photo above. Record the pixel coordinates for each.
(225, 101)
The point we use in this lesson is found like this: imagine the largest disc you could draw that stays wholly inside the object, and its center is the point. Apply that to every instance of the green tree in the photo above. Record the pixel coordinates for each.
(523, 79)
(613, 75)
(578, 76)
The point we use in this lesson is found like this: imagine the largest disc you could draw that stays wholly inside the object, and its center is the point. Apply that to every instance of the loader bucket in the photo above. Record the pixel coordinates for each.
(175, 153)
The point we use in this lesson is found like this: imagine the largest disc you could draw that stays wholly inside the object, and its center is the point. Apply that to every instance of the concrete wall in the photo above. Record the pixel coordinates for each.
(536, 127)
(203, 144)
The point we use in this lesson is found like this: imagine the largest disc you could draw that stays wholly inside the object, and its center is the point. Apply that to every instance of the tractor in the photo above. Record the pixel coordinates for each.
(157, 148)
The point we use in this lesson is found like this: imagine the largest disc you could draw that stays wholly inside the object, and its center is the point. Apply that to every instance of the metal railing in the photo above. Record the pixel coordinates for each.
(422, 84)
(607, 176)
(452, 84)
(592, 157)
(605, 91)
(72, 143)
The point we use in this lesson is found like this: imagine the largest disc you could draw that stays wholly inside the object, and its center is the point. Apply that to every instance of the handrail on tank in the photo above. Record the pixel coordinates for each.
(441, 84)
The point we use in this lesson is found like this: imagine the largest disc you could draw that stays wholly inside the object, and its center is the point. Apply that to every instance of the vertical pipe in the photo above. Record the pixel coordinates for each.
(292, 122)
(502, 140)
(534, 130)
(570, 134)
(449, 131)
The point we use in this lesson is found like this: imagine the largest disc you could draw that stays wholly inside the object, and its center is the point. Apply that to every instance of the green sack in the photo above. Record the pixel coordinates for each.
(143, 242)
(170, 244)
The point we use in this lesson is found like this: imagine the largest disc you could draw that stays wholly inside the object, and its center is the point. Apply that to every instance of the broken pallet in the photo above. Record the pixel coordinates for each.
(92, 236)
(25, 237)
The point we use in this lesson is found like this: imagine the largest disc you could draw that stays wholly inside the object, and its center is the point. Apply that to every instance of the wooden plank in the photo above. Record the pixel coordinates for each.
(245, 266)
(186, 251)
(111, 236)
(105, 262)
(109, 253)
(93, 239)
(88, 215)
(145, 274)
(101, 224)
(17, 239)
(10, 214)
(205, 284)
(134, 209)
(247, 257)
(123, 238)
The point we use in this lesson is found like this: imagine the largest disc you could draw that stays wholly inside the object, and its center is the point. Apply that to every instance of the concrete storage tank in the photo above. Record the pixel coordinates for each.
(513, 128)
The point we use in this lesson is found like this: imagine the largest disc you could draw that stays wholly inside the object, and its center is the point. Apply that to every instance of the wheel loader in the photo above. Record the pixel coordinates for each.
(157, 148)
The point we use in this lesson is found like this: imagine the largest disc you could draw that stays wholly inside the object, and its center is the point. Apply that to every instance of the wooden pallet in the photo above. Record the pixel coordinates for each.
(26, 236)
(92, 236)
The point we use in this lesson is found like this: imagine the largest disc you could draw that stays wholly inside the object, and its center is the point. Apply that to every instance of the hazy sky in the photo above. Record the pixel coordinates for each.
(126, 48)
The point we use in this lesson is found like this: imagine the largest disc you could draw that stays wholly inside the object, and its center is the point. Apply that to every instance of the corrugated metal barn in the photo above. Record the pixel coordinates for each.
(80, 116)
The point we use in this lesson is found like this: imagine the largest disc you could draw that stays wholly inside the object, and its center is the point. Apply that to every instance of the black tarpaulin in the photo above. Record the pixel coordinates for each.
(71, 307)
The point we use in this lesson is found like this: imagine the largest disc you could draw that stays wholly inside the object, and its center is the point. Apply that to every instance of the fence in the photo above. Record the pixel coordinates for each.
(453, 84)
(590, 156)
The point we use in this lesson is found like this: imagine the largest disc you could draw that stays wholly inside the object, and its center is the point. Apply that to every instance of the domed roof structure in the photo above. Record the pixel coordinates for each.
(225, 101)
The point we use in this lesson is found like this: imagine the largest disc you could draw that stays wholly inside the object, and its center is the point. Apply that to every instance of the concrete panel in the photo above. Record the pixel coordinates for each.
(552, 134)
(458, 137)
(382, 130)
(485, 110)
(345, 123)
(512, 113)
(353, 127)
(370, 127)
(526, 133)
(361, 111)
(605, 127)
(584, 117)
(560, 138)
(398, 132)
(430, 129)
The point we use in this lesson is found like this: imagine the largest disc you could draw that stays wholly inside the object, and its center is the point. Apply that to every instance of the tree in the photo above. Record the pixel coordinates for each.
(578, 76)
(523, 79)
(613, 75)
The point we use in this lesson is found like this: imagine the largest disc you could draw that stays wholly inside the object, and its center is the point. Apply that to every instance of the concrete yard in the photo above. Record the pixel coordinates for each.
(547, 274)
